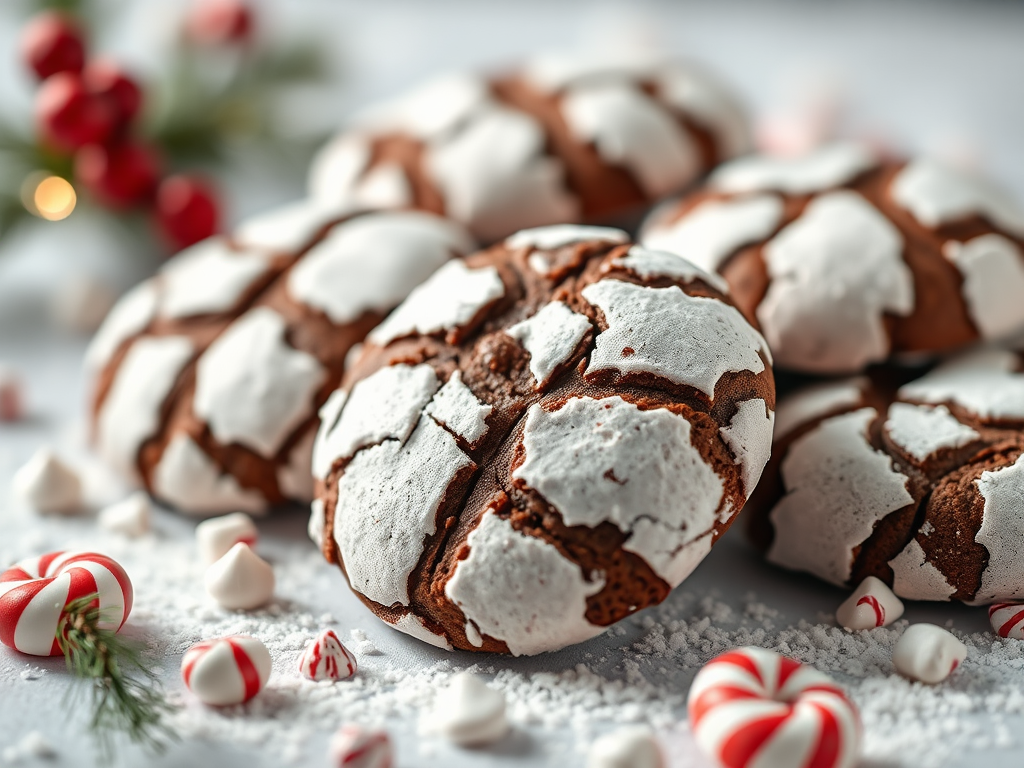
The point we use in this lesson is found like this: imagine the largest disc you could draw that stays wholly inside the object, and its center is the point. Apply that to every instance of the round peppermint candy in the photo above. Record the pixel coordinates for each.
(918, 487)
(542, 440)
(35, 592)
(846, 258)
(751, 707)
(227, 671)
(209, 376)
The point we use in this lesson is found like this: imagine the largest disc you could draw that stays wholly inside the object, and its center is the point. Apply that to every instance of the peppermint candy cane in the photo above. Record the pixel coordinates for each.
(34, 594)
(326, 658)
(229, 670)
(751, 708)
(1007, 620)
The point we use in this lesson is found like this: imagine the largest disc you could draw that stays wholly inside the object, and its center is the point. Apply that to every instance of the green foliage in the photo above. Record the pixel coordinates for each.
(126, 695)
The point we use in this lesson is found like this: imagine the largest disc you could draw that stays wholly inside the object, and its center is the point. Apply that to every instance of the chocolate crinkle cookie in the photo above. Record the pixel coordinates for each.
(846, 258)
(920, 485)
(561, 139)
(208, 377)
(542, 440)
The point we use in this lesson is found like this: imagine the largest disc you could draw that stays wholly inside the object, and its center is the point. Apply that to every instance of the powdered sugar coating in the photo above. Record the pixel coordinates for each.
(718, 340)
(449, 299)
(252, 387)
(208, 277)
(550, 336)
(606, 460)
(558, 235)
(295, 479)
(457, 408)
(715, 229)
(130, 413)
(986, 382)
(992, 267)
(937, 194)
(921, 431)
(749, 437)
(432, 109)
(1002, 533)
(830, 166)
(383, 406)
(630, 128)
(702, 97)
(187, 478)
(388, 497)
(413, 625)
(647, 263)
(324, 453)
(521, 590)
(815, 401)
(288, 228)
(915, 578)
(838, 488)
(336, 169)
(337, 277)
(835, 273)
(496, 192)
(130, 316)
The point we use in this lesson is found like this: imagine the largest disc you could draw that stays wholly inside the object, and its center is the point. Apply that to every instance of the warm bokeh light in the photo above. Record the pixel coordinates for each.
(49, 197)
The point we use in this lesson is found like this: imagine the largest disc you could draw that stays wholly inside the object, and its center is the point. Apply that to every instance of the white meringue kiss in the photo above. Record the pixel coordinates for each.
(219, 534)
(48, 485)
(241, 580)
(129, 517)
(468, 713)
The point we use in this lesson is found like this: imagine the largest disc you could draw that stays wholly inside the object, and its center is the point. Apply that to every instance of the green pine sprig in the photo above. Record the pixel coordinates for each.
(126, 695)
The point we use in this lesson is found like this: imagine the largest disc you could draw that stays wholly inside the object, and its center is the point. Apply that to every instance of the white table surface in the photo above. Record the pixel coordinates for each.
(930, 76)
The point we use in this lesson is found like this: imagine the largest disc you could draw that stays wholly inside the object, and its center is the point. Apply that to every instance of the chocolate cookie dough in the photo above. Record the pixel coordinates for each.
(543, 439)
(207, 378)
(562, 139)
(846, 258)
(920, 486)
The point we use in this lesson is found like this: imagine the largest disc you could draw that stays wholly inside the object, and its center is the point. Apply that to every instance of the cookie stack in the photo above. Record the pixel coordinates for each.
(512, 450)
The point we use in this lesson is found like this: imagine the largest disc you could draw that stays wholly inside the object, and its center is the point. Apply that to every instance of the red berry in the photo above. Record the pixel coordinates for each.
(51, 43)
(103, 78)
(120, 175)
(219, 22)
(186, 210)
(68, 116)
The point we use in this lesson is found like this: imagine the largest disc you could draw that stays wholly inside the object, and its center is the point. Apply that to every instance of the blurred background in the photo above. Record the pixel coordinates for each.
(232, 107)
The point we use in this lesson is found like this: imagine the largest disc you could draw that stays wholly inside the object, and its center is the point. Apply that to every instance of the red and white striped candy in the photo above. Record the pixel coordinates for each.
(229, 670)
(327, 658)
(34, 593)
(752, 708)
(1007, 620)
(356, 747)
(871, 605)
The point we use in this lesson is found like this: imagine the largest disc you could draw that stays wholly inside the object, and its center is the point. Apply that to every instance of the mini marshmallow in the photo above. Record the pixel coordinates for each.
(220, 534)
(12, 402)
(327, 658)
(927, 653)
(468, 713)
(241, 580)
(48, 485)
(226, 671)
(871, 605)
(356, 747)
(630, 747)
(129, 517)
